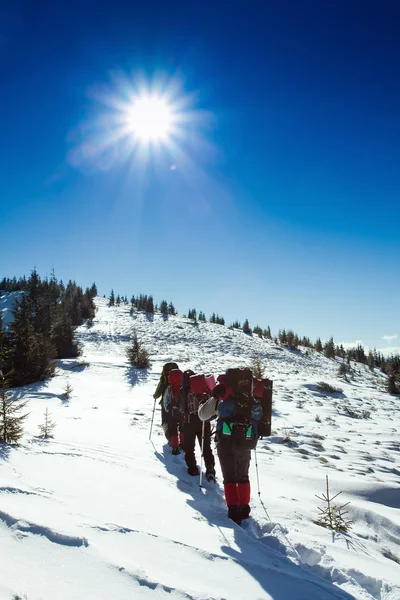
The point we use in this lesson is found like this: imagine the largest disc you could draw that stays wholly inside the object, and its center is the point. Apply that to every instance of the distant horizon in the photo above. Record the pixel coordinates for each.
(244, 162)
(385, 351)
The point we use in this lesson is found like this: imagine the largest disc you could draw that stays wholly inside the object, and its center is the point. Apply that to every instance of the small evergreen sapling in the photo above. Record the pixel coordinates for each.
(46, 429)
(10, 420)
(257, 367)
(68, 390)
(333, 515)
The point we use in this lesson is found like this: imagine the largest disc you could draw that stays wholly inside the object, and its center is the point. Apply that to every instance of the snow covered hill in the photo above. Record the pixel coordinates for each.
(101, 512)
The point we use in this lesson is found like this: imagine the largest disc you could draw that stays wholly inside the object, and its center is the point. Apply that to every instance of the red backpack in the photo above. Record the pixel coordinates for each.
(197, 391)
(175, 380)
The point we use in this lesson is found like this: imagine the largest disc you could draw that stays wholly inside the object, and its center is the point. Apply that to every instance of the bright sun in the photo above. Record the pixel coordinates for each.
(150, 118)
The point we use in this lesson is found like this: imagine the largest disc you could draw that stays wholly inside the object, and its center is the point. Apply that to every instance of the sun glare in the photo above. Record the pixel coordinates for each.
(150, 118)
(140, 119)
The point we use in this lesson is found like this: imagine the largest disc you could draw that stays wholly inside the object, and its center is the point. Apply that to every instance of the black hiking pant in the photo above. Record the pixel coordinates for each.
(170, 423)
(234, 460)
(192, 429)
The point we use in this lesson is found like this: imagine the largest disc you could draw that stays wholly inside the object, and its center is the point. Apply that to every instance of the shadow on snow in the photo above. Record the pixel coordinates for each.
(264, 557)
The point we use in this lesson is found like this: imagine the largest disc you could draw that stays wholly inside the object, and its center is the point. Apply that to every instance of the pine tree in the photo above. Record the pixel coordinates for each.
(282, 335)
(257, 367)
(164, 307)
(118, 300)
(63, 335)
(137, 355)
(290, 338)
(318, 345)
(111, 300)
(171, 309)
(3, 346)
(93, 290)
(246, 327)
(268, 333)
(342, 371)
(10, 420)
(29, 353)
(46, 429)
(370, 361)
(149, 304)
(392, 385)
(330, 348)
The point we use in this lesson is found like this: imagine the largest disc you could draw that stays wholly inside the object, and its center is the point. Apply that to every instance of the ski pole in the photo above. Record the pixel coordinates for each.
(202, 451)
(152, 419)
(258, 485)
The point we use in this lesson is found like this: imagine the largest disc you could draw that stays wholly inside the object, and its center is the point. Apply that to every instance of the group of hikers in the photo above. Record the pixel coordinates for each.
(242, 406)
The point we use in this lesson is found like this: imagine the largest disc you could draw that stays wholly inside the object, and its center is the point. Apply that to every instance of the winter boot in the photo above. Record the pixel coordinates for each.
(194, 470)
(244, 499)
(210, 474)
(235, 513)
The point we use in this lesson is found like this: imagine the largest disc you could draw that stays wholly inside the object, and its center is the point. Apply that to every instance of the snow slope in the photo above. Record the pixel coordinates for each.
(100, 512)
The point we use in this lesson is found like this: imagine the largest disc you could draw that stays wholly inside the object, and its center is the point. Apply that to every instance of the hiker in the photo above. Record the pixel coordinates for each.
(193, 390)
(238, 415)
(171, 420)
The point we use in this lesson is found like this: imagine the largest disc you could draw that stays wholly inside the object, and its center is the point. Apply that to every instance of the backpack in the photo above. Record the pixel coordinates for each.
(262, 390)
(163, 383)
(198, 390)
(172, 396)
(241, 383)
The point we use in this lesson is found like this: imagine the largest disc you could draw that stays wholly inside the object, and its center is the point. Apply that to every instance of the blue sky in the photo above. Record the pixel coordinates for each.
(282, 205)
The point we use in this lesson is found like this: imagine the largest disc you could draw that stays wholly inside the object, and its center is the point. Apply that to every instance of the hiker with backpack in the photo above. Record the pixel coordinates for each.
(194, 390)
(239, 425)
(171, 416)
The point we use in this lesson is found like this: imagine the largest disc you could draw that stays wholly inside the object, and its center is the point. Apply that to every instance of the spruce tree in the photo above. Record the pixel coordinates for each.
(137, 355)
(330, 348)
(164, 307)
(318, 345)
(63, 335)
(111, 300)
(46, 429)
(370, 361)
(149, 304)
(29, 352)
(10, 418)
(246, 327)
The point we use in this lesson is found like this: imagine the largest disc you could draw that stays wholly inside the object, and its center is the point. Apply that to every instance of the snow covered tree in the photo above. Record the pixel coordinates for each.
(10, 418)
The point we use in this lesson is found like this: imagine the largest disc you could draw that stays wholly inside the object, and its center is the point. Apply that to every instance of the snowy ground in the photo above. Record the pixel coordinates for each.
(100, 512)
